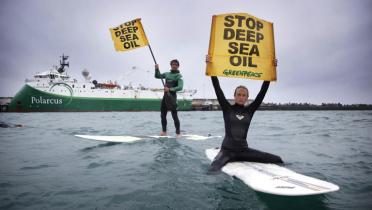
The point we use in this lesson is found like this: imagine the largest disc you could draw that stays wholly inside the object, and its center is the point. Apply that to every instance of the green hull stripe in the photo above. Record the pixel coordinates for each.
(29, 99)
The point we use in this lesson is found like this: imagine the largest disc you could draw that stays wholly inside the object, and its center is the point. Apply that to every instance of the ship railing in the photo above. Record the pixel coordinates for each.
(189, 91)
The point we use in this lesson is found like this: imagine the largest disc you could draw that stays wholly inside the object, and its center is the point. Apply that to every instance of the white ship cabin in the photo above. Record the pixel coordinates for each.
(52, 75)
(47, 78)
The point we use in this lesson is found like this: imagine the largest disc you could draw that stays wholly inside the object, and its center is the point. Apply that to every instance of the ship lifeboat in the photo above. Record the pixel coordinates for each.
(109, 86)
(106, 85)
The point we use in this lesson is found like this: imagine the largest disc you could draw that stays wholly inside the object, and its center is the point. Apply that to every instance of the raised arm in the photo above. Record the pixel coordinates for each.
(261, 95)
(220, 96)
(158, 75)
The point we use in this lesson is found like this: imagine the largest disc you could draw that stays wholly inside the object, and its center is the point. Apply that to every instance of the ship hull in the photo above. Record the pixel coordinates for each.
(30, 99)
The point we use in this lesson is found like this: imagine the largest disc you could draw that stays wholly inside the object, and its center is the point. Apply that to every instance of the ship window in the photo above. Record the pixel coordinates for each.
(83, 86)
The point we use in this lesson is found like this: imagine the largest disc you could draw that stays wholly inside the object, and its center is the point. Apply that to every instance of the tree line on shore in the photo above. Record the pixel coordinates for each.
(291, 106)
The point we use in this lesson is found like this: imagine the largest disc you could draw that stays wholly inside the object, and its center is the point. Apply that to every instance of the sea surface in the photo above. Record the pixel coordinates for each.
(44, 166)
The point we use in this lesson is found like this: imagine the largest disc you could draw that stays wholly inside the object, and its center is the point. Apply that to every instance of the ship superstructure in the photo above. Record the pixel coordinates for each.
(55, 90)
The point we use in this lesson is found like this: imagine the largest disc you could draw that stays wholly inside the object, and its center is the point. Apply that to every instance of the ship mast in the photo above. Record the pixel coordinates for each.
(63, 63)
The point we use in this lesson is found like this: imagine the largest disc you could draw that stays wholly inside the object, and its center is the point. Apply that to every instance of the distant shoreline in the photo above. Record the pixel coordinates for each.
(298, 108)
(317, 108)
(213, 105)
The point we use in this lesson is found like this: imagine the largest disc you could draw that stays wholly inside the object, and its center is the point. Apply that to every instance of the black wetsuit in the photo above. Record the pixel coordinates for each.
(173, 80)
(237, 120)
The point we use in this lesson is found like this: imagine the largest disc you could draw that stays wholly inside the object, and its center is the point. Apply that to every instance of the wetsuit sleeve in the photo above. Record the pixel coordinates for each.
(179, 85)
(220, 96)
(261, 95)
(158, 75)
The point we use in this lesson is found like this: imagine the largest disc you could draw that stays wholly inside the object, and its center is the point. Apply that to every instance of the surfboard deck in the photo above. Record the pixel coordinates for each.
(274, 179)
(129, 139)
(117, 139)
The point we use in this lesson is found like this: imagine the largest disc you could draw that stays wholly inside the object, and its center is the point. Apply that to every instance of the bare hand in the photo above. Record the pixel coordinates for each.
(156, 66)
(208, 59)
(275, 62)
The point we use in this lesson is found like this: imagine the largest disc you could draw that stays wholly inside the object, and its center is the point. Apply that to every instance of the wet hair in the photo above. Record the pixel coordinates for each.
(241, 86)
(175, 61)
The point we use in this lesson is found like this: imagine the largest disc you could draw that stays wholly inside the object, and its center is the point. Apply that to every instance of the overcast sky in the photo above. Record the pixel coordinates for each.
(323, 46)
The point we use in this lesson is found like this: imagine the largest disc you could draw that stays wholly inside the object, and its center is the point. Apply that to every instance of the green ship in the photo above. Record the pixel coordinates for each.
(55, 91)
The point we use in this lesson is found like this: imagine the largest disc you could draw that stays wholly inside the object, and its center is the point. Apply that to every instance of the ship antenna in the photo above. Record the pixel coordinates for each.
(62, 63)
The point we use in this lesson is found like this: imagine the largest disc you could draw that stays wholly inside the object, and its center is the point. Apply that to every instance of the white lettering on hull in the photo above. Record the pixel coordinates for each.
(41, 100)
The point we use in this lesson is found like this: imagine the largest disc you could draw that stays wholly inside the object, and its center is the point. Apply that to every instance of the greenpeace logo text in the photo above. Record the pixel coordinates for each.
(228, 72)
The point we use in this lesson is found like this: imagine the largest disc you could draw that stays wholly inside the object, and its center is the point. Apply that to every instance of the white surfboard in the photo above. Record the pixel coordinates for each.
(189, 137)
(198, 137)
(274, 179)
(129, 139)
(118, 139)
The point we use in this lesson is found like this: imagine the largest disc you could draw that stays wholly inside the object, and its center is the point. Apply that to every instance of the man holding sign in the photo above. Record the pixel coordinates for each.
(241, 46)
(131, 35)
(173, 84)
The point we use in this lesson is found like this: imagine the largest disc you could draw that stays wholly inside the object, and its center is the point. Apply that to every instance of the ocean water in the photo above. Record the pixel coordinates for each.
(44, 166)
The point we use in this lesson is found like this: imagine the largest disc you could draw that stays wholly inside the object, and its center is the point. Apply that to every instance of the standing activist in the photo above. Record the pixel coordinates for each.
(131, 35)
(173, 83)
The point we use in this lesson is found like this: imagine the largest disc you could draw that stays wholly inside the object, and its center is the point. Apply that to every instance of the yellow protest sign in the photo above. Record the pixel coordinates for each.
(129, 36)
(241, 46)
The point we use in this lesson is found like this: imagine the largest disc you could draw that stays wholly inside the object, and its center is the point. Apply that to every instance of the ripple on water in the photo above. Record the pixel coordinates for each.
(324, 135)
(5, 185)
(103, 145)
(97, 165)
(37, 167)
